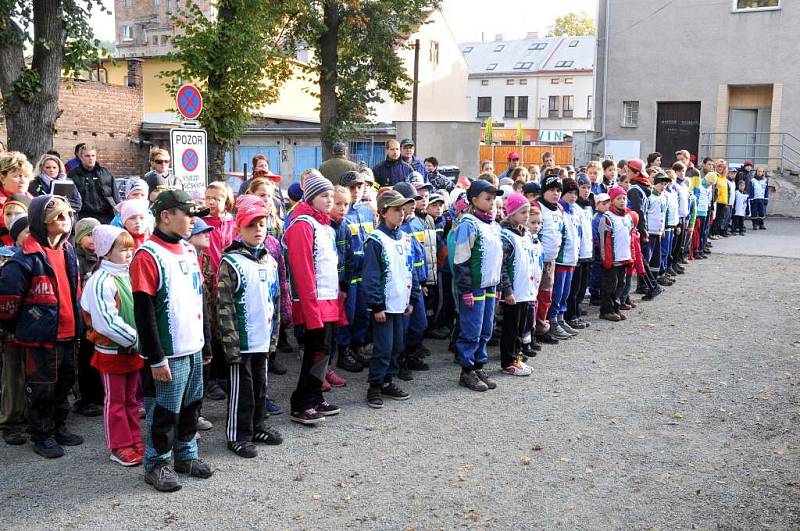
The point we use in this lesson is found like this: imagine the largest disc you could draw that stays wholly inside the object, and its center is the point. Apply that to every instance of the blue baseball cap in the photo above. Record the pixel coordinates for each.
(479, 186)
(200, 227)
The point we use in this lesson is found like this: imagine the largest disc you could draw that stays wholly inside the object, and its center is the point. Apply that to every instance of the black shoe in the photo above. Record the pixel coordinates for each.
(284, 347)
(374, 399)
(441, 332)
(267, 436)
(89, 410)
(471, 381)
(416, 364)
(390, 390)
(482, 376)
(274, 366)
(194, 467)
(534, 348)
(14, 437)
(243, 449)
(578, 324)
(360, 356)
(546, 339)
(652, 294)
(421, 351)
(215, 392)
(664, 281)
(65, 437)
(48, 448)
(762, 227)
(309, 416)
(347, 362)
(162, 478)
(327, 409)
(404, 372)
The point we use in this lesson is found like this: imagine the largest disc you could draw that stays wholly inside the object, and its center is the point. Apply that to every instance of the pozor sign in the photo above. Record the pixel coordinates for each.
(189, 159)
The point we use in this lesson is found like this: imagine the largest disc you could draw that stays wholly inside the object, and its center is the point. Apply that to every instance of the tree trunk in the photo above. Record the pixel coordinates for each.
(31, 95)
(226, 12)
(216, 160)
(328, 75)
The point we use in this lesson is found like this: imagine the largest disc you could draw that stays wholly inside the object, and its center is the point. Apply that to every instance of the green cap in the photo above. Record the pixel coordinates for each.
(406, 142)
(177, 199)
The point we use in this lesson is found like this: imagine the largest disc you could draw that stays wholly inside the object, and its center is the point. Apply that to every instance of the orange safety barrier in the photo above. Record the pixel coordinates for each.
(529, 155)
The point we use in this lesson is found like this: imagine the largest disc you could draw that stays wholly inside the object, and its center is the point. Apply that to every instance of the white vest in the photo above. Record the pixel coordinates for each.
(528, 265)
(672, 206)
(759, 187)
(570, 246)
(621, 227)
(491, 251)
(253, 296)
(683, 197)
(656, 209)
(552, 231)
(586, 249)
(399, 264)
(326, 260)
(740, 203)
(179, 299)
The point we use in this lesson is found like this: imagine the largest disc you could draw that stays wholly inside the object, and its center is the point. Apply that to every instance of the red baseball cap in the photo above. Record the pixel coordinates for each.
(513, 156)
(248, 209)
(636, 165)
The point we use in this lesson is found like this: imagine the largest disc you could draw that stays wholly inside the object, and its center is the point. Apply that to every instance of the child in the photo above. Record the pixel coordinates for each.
(344, 251)
(248, 293)
(656, 219)
(477, 261)
(567, 258)
(264, 188)
(759, 197)
(425, 232)
(532, 190)
(45, 265)
(670, 225)
(530, 347)
(389, 282)
(311, 247)
(551, 236)
(168, 307)
(137, 189)
(107, 304)
(85, 247)
(614, 245)
(519, 282)
(740, 208)
(580, 278)
(602, 202)
(15, 207)
(133, 214)
(681, 188)
(443, 316)
(15, 176)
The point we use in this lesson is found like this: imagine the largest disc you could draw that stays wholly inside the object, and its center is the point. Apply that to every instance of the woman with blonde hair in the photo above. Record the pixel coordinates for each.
(50, 169)
(15, 176)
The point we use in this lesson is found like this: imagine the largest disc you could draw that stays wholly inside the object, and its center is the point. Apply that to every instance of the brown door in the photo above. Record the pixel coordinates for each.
(677, 127)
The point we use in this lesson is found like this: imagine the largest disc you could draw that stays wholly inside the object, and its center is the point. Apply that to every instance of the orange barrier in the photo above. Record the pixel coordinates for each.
(529, 155)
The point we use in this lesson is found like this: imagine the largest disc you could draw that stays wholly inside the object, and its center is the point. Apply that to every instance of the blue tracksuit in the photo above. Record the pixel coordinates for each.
(361, 222)
(417, 322)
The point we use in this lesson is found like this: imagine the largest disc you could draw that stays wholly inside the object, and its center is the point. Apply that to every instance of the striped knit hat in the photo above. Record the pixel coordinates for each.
(314, 185)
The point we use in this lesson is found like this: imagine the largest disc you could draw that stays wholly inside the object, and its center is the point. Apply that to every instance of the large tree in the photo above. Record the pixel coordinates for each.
(58, 34)
(572, 24)
(238, 60)
(356, 63)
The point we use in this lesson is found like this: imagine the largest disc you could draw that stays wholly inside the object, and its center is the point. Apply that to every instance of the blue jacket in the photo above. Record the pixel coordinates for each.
(391, 172)
(375, 278)
(413, 226)
(418, 166)
(344, 250)
(362, 222)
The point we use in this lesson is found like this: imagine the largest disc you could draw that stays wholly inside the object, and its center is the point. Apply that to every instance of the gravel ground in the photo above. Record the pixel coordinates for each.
(684, 416)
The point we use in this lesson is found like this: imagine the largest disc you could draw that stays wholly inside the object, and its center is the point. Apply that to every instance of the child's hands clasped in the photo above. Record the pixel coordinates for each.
(380, 317)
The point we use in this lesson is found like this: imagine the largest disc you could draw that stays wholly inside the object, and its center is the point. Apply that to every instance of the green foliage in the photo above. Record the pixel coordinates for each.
(572, 24)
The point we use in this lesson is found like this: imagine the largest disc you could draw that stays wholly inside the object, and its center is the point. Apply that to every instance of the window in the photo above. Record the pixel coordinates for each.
(553, 111)
(630, 114)
(755, 5)
(484, 107)
(467, 49)
(523, 81)
(509, 81)
(522, 107)
(555, 81)
(537, 46)
(568, 106)
(564, 64)
(499, 47)
(573, 44)
(484, 82)
(127, 32)
(509, 107)
(588, 106)
(523, 66)
(491, 66)
(568, 81)
(434, 53)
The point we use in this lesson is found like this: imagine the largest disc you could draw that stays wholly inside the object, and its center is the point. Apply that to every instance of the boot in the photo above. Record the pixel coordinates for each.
(347, 362)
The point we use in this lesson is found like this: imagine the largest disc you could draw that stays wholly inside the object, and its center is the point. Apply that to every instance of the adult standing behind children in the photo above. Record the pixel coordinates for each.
(96, 186)
(160, 174)
(168, 308)
(50, 169)
(392, 170)
(337, 165)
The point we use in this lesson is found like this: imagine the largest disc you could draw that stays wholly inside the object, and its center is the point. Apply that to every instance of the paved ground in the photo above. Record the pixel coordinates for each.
(684, 416)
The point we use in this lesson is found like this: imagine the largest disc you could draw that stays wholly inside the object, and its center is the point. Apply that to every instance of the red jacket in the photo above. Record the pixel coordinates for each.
(306, 309)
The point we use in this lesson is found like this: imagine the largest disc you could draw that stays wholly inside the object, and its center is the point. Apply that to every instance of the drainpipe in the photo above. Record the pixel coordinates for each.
(605, 73)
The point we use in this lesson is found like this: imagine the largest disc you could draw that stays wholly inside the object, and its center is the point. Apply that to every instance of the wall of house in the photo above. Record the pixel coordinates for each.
(452, 143)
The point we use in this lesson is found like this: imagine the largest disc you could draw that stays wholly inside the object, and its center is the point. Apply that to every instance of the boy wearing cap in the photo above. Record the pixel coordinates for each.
(168, 307)
(513, 163)
(390, 282)
(552, 237)
(656, 217)
(39, 295)
(248, 298)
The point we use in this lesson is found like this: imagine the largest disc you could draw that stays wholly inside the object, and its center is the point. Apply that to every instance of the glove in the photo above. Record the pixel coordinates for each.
(469, 300)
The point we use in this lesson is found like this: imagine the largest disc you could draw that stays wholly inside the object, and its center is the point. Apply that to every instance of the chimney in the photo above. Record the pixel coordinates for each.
(134, 72)
(533, 35)
(498, 37)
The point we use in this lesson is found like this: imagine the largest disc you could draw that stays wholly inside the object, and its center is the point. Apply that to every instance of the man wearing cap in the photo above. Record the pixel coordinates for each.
(338, 164)
(407, 149)
(168, 307)
(513, 163)
(392, 170)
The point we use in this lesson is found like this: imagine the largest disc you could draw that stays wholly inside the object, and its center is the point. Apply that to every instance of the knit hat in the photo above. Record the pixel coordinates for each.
(406, 190)
(104, 237)
(551, 182)
(57, 206)
(711, 178)
(600, 198)
(531, 187)
(569, 185)
(84, 227)
(506, 181)
(19, 225)
(135, 184)
(248, 209)
(515, 203)
(583, 179)
(295, 192)
(314, 185)
(636, 165)
(133, 207)
(463, 182)
(616, 192)
(21, 200)
(418, 181)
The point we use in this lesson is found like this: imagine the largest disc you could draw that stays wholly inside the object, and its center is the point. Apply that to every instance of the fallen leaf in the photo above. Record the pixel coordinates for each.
(525, 460)
(467, 466)
(564, 459)
(537, 448)
(345, 499)
(300, 476)
(677, 415)
(588, 471)
(298, 516)
(615, 421)
(316, 497)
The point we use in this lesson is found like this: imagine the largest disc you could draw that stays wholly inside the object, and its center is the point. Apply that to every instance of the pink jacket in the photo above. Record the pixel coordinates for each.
(221, 237)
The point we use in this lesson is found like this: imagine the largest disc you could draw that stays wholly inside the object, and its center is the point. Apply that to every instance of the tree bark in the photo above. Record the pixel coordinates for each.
(226, 12)
(328, 75)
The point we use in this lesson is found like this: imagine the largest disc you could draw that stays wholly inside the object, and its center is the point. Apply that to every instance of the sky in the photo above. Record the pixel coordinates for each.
(467, 18)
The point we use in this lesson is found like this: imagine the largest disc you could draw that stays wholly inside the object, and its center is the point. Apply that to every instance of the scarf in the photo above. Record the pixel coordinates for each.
(549, 206)
(619, 211)
(643, 179)
(486, 217)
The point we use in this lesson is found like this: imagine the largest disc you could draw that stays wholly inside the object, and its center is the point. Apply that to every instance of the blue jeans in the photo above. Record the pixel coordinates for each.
(666, 248)
(595, 274)
(355, 306)
(388, 342)
(416, 323)
(475, 330)
(561, 287)
(172, 410)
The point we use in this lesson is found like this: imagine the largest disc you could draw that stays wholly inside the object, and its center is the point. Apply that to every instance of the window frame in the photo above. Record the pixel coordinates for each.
(634, 114)
(537, 46)
(567, 112)
(555, 80)
(736, 9)
(569, 81)
(508, 112)
(484, 82)
(484, 114)
(467, 49)
(499, 48)
(573, 43)
(520, 112)
(589, 106)
(554, 111)
(491, 66)
(564, 64)
(510, 82)
(127, 32)
(523, 81)
(433, 52)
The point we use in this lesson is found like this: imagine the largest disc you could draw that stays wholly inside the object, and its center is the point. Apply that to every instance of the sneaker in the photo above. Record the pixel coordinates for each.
(664, 281)
(126, 456)
(481, 374)
(267, 436)
(14, 437)
(215, 392)
(64, 437)
(652, 294)
(244, 449)
(360, 355)
(162, 478)
(518, 369)
(390, 390)
(194, 467)
(625, 307)
(374, 399)
(556, 332)
(421, 351)
(139, 448)
(621, 316)
(48, 448)
(578, 324)
(327, 409)
(546, 339)
(309, 416)
(611, 316)
(470, 380)
(567, 328)
(416, 364)
(276, 367)
(272, 408)
(334, 379)
(203, 424)
(347, 362)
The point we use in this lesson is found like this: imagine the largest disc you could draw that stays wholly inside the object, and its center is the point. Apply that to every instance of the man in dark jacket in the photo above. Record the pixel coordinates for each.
(392, 170)
(96, 186)
(39, 294)
(407, 150)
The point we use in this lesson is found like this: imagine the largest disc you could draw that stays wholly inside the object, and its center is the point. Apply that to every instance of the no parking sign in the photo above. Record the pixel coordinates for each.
(189, 159)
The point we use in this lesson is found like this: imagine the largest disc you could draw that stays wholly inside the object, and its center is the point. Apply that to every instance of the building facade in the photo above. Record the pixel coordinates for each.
(144, 28)
(717, 78)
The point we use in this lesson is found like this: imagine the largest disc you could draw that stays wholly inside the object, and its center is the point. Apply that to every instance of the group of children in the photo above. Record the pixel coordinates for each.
(173, 297)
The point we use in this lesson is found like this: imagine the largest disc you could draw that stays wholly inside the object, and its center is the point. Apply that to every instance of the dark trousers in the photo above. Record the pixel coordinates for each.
(90, 386)
(758, 211)
(649, 280)
(610, 286)
(313, 368)
(580, 281)
(246, 398)
(738, 224)
(388, 343)
(50, 375)
(654, 253)
(447, 312)
(514, 316)
(719, 220)
(678, 242)
(595, 273)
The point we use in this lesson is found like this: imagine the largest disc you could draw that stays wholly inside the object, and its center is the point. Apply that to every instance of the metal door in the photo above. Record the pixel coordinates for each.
(305, 157)
(742, 125)
(677, 127)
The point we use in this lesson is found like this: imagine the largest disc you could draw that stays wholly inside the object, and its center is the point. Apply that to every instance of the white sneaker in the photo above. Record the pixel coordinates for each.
(518, 368)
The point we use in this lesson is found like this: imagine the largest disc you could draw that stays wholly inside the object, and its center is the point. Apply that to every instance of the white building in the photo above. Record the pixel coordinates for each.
(545, 84)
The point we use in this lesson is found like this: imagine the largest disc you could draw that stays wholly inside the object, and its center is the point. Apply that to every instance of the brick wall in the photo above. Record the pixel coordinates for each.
(108, 116)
